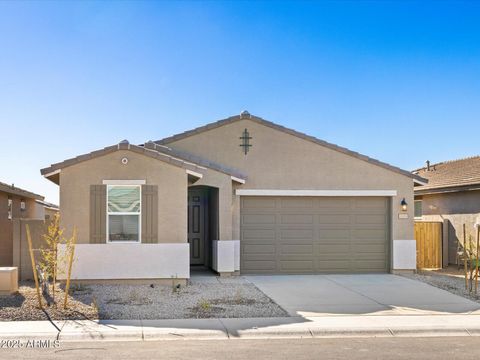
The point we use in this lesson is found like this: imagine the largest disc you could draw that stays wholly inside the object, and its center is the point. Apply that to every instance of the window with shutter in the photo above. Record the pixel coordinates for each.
(98, 211)
(149, 214)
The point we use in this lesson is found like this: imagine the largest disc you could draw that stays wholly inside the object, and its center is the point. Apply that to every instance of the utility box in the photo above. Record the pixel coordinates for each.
(8, 280)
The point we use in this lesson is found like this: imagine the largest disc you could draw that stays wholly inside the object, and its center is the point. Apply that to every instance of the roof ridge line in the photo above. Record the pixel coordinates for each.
(448, 162)
(344, 150)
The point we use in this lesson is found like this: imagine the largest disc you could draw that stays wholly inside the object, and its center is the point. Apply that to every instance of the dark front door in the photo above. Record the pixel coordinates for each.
(197, 200)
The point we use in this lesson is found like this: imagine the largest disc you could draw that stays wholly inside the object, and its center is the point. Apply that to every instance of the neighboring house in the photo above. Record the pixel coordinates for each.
(451, 195)
(15, 203)
(238, 195)
(49, 209)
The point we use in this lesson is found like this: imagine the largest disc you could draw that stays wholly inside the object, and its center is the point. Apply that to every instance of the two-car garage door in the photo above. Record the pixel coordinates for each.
(314, 234)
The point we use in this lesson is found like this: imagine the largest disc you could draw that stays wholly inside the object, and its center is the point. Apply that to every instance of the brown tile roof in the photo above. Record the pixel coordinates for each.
(246, 115)
(151, 151)
(195, 159)
(11, 189)
(462, 173)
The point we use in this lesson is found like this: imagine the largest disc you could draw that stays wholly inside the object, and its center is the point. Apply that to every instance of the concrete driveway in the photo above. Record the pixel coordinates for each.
(383, 294)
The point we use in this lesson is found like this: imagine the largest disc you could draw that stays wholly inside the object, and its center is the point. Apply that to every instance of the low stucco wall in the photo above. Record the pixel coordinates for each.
(129, 261)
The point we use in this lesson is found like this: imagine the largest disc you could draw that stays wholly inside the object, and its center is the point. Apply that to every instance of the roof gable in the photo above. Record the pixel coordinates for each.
(52, 171)
(247, 116)
(150, 149)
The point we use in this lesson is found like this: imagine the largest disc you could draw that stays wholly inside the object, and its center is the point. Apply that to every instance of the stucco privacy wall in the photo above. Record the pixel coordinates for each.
(458, 208)
(75, 181)
(278, 160)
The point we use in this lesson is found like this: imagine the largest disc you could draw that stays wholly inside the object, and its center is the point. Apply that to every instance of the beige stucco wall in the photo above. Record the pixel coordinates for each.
(464, 202)
(75, 184)
(278, 160)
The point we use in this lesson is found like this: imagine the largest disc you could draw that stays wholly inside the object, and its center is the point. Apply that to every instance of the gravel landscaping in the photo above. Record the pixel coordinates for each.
(203, 297)
(23, 306)
(450, 279)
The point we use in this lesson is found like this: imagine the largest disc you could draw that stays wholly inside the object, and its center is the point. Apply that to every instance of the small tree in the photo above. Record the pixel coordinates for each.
(50, 258)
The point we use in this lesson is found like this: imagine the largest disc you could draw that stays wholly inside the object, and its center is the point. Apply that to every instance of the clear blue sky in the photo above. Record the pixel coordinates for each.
(398, 81)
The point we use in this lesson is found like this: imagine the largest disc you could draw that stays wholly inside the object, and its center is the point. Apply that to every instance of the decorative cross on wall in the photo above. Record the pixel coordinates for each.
(245, 141)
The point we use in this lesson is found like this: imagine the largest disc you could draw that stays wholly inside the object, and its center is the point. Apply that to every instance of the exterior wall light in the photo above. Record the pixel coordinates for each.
(403, 204)
(23, 206)
(10, 209)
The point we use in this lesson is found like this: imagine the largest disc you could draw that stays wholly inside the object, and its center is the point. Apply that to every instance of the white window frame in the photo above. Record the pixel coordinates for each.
(125, 213)
(414, 216)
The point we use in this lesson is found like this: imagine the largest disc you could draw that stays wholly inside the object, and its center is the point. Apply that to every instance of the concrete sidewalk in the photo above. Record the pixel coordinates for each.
(289, 327)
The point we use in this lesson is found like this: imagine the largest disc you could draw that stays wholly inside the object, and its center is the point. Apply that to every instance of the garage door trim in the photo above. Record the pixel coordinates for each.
(335, 193)
(364, 263)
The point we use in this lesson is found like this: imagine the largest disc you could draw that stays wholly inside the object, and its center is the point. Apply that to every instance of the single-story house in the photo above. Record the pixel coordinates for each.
(452, 196)
(16, 203)
(240, 195)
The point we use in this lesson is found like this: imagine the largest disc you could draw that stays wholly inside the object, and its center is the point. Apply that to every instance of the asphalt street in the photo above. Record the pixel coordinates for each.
(298, 349)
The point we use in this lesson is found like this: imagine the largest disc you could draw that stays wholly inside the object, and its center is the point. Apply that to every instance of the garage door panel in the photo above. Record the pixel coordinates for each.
(370, 265)
(259, 266)
(369, 249)
(296, 249)
(369, 233)
(314, 235)
(334, 219)
(258, 219)
(259, 233)
(333, 265)
(301, 266)
(259, 249)
(293, 219)
(368, 219)
(329, 233)
(296, 233)
(333, 248)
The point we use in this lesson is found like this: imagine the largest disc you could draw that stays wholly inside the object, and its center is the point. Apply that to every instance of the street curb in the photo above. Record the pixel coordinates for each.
(247, 328)
(180, 334)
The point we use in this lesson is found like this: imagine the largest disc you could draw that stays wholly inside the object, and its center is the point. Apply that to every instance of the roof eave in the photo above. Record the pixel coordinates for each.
(446, 189)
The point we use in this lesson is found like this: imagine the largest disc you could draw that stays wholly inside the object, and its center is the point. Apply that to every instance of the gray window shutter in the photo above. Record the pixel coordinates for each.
(149, 214)
(98, 214)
